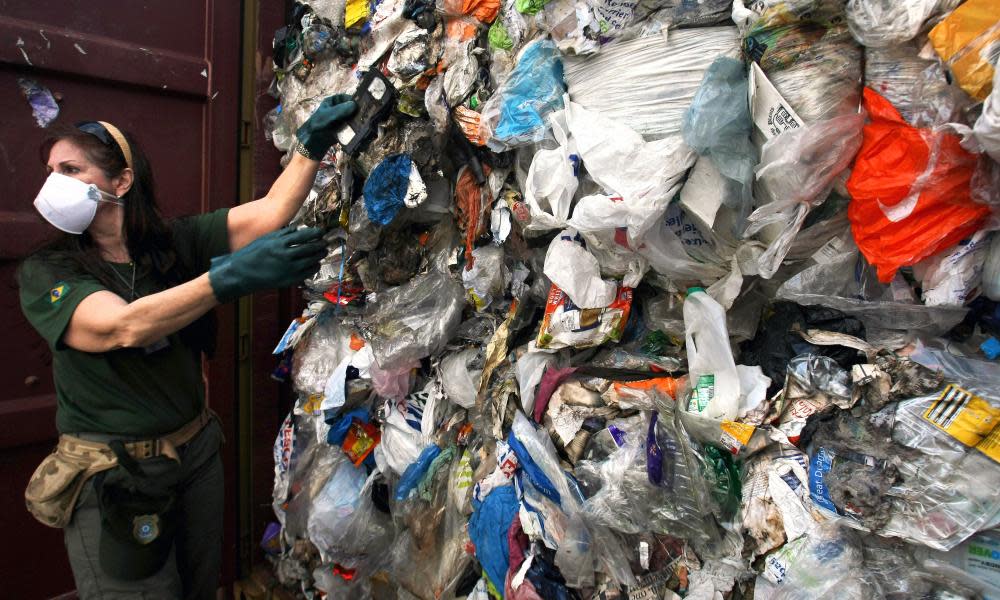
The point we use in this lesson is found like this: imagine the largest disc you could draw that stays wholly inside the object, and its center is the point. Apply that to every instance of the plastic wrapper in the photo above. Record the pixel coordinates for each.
(918, 88)
(881, 23)
(822, 564)
(845, 282)
(809, 55)
(649, 82)
(566, 324)
(910, 195)
(965, 40)
(797, 168)
(414, 320)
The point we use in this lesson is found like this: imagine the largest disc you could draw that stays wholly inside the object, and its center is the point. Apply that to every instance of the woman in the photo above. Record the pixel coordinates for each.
(123, 300)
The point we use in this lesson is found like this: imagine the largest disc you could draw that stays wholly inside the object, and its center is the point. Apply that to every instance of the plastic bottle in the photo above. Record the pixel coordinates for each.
(714, 380)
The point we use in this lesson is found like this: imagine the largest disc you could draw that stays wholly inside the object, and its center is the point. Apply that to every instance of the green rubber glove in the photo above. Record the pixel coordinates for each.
(278, 259)
(319, 132)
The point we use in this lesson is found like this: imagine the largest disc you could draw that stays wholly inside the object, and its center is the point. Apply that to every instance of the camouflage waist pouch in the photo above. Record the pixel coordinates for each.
(56, 484)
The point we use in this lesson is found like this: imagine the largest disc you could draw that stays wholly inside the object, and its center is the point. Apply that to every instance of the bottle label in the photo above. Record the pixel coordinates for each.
(702, 393)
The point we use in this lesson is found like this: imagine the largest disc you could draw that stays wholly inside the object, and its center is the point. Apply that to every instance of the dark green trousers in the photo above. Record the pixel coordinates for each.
(192, 570)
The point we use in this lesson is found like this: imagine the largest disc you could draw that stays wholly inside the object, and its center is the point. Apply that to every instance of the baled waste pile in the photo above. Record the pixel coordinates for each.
(645, 300)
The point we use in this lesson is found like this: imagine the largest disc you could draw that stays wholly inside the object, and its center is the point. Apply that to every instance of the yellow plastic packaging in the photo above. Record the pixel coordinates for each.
(963, 40)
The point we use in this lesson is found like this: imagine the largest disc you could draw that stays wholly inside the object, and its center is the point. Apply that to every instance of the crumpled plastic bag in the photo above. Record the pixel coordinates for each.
(910, 195)
(718, 125)
(881, 23)
(641, 176)
(797, 168)
(577, 273)
(552, 180)
(415, 319)
(515, 115)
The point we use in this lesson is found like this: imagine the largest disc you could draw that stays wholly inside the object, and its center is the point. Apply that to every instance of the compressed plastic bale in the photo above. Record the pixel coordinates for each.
(910, 194)
(649, 82)
(414, 320)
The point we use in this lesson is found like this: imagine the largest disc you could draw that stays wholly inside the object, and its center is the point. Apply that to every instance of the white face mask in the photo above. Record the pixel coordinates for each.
(70, 204)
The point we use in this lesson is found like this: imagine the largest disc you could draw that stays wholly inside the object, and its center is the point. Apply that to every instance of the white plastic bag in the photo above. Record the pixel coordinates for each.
(577, 273)
(460, 383)
(714, 380)
(641, 177)
(551, 181)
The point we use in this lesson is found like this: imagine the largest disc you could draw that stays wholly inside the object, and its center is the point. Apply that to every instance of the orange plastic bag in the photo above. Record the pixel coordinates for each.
(909, 190)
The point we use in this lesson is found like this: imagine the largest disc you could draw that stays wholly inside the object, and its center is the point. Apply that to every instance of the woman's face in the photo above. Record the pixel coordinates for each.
(69, 159)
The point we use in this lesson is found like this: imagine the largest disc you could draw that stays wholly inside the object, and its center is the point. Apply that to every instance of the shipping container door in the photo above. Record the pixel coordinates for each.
(169, 73)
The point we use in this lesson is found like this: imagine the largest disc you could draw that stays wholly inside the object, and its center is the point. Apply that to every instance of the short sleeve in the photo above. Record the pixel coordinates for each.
(202, 237)
(49, 296)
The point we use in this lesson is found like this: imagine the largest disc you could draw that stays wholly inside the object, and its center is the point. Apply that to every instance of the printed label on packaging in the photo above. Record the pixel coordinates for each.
(736, 435)
(283, 342)
(702, 393)
(361, 441)
(967, 418)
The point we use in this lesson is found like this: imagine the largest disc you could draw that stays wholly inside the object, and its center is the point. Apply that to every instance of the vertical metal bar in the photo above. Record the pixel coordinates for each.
(250, 11)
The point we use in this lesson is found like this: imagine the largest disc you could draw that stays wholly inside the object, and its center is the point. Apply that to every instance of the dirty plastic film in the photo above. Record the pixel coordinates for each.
(644, 300)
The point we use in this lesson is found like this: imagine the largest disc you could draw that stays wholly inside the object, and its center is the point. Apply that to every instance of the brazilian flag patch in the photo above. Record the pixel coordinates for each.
(56, 294)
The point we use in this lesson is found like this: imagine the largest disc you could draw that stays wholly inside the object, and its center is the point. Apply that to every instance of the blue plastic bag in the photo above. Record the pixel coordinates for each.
(534, 89)
(385, 188)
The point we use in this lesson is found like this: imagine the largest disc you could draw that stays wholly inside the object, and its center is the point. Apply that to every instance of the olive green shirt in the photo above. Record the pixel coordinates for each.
(132, 391)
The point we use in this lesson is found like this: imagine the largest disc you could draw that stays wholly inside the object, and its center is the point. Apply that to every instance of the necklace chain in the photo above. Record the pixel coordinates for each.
(131, 286)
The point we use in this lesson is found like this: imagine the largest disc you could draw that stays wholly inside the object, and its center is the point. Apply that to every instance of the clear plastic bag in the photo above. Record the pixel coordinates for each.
(847, 283)
(884, 23)
(460, 382)
(414, 320)
(822, 565)
(318, 355)
(343, 522)
(917, 87)
(797, 168)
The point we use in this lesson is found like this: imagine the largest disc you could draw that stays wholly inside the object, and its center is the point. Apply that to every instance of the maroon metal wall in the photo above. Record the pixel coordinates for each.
(169, 73)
